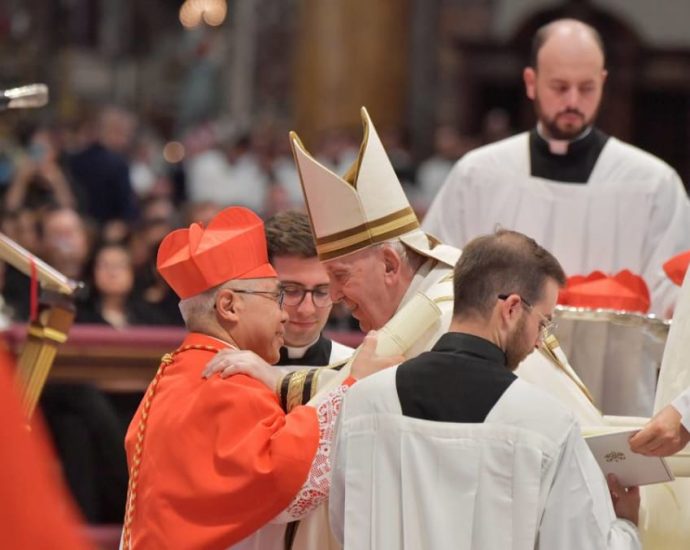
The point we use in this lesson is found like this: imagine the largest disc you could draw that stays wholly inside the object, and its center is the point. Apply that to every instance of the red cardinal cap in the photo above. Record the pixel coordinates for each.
(233, 246)
(624, 291)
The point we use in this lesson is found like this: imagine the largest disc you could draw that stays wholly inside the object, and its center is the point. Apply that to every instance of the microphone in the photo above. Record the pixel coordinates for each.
(24, 97)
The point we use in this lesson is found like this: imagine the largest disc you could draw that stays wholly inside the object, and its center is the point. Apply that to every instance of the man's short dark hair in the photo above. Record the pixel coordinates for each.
(289, 234)
(543, 33)
(506, 262)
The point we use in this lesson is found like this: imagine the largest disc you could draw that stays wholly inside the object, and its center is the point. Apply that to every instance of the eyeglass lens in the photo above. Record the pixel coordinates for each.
(294, 295)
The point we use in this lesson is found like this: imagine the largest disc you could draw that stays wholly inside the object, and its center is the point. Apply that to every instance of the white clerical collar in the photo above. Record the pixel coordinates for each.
(560, 146)
(299, 352)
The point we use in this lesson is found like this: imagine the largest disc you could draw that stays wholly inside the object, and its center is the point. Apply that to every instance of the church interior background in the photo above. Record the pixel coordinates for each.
(310, 64)
(438, 77)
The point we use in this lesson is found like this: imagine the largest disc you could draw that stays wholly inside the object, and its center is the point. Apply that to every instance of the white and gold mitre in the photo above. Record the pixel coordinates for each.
(365, 207)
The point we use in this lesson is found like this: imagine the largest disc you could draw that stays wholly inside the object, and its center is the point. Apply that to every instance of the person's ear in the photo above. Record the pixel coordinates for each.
(511, 309)
(392, 263)
(529, 75)
(226, 305)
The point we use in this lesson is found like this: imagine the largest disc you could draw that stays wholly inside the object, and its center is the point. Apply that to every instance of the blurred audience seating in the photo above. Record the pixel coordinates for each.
(121, 360)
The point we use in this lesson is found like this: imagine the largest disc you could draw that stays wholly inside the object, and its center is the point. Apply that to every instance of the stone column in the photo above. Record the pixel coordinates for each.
(350, 53)
(242, 58)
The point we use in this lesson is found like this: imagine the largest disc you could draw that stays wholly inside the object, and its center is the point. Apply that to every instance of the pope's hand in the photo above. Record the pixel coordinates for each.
(663, 435)
(231, 361)
(367, 362)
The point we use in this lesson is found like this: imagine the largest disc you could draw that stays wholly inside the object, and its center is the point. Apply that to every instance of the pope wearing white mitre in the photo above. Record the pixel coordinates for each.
(396, 279)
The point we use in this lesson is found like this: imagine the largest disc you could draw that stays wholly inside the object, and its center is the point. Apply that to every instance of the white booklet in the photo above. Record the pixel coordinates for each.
(614, 456)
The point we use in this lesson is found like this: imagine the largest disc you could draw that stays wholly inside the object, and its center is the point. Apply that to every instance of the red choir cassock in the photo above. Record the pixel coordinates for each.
(211, 461)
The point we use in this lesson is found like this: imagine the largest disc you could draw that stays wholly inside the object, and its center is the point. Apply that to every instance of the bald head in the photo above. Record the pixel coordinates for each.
(568, 31)
(566, 79)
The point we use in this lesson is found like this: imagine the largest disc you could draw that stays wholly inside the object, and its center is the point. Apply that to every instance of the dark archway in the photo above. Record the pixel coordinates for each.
(647, 96)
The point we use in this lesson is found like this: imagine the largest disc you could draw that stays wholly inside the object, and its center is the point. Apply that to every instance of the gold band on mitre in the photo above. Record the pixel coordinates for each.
(366, 234)
(364, 207)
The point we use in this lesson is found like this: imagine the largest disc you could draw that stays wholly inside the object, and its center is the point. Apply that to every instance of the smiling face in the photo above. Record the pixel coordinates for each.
(260, 325)
(306, 320)
(364, 282)
(567, 83)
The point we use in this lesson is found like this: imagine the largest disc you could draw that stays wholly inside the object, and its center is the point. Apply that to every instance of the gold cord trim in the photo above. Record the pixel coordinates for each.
(548, 348)
(166, 360)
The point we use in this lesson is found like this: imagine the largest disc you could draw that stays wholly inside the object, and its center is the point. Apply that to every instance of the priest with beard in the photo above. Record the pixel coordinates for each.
(595, 202)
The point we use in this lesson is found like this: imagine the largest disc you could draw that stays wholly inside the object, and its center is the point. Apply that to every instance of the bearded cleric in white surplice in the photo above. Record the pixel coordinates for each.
(405, 482)
(594, 202)
(630, 213)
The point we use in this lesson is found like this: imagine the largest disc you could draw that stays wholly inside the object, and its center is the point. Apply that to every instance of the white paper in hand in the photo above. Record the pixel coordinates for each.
(612, 453)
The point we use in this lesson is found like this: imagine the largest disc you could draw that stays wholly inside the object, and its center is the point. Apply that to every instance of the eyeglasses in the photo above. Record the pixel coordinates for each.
(276, 296)
(295, 294)
(546, 326)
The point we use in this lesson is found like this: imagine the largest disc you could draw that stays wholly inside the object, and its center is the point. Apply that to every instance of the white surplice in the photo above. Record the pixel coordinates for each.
(633, 213)
(434, 280)
(523, 479)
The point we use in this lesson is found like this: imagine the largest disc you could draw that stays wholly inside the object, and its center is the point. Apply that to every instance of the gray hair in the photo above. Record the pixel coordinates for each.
(198, 305)
(409, 257)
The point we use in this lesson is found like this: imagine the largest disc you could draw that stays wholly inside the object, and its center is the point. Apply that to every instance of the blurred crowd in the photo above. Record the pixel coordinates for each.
(94, 197)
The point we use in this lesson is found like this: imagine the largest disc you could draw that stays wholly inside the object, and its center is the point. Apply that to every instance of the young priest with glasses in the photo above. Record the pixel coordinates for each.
(307, 301)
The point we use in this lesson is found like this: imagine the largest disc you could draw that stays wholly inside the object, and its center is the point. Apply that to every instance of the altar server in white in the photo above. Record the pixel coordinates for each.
(451, 450)
(590, 199)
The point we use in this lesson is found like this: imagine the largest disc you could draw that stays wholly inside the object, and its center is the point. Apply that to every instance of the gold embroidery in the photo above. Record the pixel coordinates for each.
(295, 389)
(548, 348)
(166, 360)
